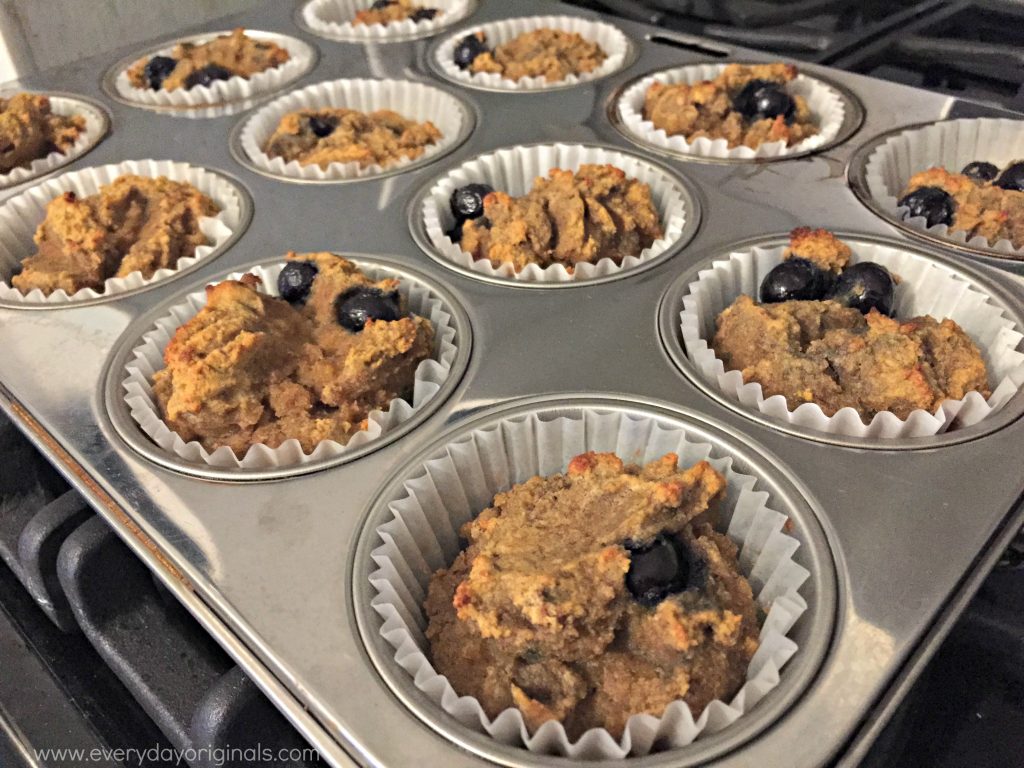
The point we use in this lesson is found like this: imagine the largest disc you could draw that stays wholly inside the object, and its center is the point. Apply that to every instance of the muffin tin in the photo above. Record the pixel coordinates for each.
(273, 567)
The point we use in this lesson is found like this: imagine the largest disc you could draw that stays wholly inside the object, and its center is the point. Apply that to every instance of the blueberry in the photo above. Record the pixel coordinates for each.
(157, 70)
(1012, 177)
(865, 286)
(761, 99)
(424, 14)
(207, 75)
(380, 5)
(357, 305)
(468, 202)
(795, 280)
(931, 202)
(321, 127)
(980, 171)
(467, 49)
(295, 280)
(659, 568)
(455, 233)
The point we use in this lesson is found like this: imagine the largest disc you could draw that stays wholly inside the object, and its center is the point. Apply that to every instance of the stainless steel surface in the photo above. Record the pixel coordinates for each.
(853, 116)
(119, 414)
(856, 174)
(813, 633)
(1009, 300)
(264, 566)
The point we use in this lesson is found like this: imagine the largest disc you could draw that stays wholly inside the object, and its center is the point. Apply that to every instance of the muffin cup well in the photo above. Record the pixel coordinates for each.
(514, 169)
(951, 144)
(826, 104)
(333, 19)
(220, 92)
(612, 41)
(415, 101)
(925, 287)
(422, 536)
(146, 359)
(22, 214)
(96, 125)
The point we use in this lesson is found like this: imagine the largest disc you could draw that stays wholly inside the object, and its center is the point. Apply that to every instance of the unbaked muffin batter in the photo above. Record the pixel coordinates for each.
(389, 11)
(548, 53)
(29, 130)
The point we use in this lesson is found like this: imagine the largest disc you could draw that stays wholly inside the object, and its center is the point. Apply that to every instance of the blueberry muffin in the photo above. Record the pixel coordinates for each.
(548, 53)
(29, 130)
(567, 218)
(191, 64)
(980, 200)
(388, 11)
(312, 365)
(823, 333)
(745, 105)
(135, 224)
(594, 595)
(324, 136)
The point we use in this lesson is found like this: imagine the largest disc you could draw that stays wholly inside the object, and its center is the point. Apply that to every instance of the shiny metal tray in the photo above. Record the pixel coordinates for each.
(904, 536)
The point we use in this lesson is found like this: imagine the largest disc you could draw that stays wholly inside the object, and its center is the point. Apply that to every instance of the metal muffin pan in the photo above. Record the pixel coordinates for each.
(1011, 302)
(266, 567)
(813, 632)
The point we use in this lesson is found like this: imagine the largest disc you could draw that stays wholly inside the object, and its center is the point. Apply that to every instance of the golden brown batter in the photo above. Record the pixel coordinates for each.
(548, 53)
(251, 368)
(388, 11)
(29, 130)
(706, 109)
(325, 136)
(542, 609)
(567, 218)
(135, 224)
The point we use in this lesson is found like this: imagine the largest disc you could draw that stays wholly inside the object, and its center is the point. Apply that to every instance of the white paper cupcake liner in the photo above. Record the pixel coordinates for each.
(825, 103)
(414, 101)
(333, 19)
(423, 536)
(95, 128)
(951, 144)
(234, 89)
(926, 288)
(613, 42)
(514, 169)
(148, 358)
(21, 215)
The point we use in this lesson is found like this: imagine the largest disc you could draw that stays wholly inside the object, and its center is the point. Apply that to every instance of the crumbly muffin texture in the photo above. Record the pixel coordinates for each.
(548, 53)
(390, 11)
(251, 368)
(135, 224)
(567, 218)
(29, 130)
(707, 110)
(324, 136)
(539, 612)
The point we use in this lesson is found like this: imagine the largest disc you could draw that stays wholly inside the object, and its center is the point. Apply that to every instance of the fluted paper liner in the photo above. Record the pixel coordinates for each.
(414, 101)
(22, 214)
(95, 123)
(333, 19)
(514, 169)
(951, 144)
(925, 288)
(422, 536)
(221, 92)
(826, 104)
(148, 357)
(612, 41)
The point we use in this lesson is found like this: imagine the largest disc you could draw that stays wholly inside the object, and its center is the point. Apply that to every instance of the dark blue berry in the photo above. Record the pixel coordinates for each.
(320, 126)
(295, 280)
(455, 233)
(980, 171)
(931, 202)
(356, 306)
(424, 14)
(467, 49)
(760, 99)
(207, 75)
(865, 286)
(380, 5)
(1012, 177)
(795, 280)
(468, 202)
(157, 70)
(659, 568)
